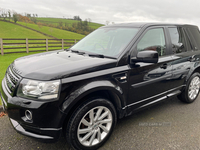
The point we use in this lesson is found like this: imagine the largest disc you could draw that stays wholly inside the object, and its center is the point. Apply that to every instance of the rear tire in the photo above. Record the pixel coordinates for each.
(191, 92)
(91, 124)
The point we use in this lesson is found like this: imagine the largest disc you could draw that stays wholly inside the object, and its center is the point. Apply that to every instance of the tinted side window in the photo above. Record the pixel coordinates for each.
(177, 39)
(154, 39)
(194, 32)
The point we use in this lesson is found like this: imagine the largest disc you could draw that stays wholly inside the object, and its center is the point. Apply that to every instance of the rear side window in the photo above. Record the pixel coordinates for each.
(195, 34)
(177, 39)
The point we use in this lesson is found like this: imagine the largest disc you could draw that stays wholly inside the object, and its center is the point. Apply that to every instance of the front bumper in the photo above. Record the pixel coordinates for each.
(42, 134)
(46, 123)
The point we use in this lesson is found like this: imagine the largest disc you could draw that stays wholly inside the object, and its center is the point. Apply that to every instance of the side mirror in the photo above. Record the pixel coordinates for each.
(147, 56)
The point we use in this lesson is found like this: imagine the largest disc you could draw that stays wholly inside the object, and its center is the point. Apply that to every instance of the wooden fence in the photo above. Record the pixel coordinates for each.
(14, 45)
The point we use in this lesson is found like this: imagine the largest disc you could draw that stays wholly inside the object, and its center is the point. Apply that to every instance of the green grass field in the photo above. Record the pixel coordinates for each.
(9, 30)
(6, 60)
(14, 31)
(68, 21)
(58, 33)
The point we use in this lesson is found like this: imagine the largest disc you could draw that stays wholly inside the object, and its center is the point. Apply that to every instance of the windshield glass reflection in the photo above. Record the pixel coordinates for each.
(106, 41)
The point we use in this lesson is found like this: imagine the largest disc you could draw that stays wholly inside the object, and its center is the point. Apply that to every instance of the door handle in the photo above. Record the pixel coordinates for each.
(164, 66)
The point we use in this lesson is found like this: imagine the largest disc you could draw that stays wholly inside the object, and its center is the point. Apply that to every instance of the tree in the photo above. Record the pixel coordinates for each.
(9, 14)
(107, 22)
(28, 15)
(89, 20)
(77, 18)
(3, 13)
(85, 23)
(80, 27)
(0, 11)
(60, 24)
(15, 17)
(33, 19)
(24, 19)
(65, 24)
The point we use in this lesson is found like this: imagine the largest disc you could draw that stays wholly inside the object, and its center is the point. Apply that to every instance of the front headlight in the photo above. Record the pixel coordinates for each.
(38, 89)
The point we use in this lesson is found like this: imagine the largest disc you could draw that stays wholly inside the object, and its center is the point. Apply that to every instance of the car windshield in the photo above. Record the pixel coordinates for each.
(106, 41)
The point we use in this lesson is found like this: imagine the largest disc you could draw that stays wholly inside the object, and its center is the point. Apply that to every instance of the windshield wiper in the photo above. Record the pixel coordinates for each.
(91, 54)
(75, 51)
(97, 55)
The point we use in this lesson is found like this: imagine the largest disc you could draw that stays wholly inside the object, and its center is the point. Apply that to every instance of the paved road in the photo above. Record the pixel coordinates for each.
(168, 125)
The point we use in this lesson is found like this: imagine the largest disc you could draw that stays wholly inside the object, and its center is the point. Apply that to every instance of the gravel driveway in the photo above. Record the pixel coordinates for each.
(168, 125)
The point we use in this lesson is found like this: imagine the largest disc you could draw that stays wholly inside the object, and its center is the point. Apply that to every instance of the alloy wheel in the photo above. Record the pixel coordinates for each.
(193, 89)
(94, 126)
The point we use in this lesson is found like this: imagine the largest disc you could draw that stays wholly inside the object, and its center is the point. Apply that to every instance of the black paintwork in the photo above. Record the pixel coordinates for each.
(128, 84)
(59, 65)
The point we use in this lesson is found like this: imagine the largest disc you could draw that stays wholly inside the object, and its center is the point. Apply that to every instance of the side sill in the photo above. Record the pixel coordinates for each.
(176, 91)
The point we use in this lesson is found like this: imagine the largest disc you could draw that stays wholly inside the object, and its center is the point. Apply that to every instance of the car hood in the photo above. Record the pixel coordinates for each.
(59, 64)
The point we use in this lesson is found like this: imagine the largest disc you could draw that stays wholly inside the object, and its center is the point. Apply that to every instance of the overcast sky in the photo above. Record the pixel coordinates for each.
(117, 11)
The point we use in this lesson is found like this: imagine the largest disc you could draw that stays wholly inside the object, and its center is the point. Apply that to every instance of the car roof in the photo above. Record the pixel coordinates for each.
(142, 24)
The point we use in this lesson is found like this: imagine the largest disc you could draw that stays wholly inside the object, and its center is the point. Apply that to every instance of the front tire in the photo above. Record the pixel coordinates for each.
(91, 125)
(191, 92)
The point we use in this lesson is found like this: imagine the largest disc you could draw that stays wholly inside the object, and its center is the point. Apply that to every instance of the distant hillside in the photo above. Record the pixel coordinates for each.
(12, 30)
(9, 30)
(58, 33)
(68, 21)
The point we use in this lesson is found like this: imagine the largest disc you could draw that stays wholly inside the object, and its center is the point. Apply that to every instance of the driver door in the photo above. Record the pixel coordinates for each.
(148, 82)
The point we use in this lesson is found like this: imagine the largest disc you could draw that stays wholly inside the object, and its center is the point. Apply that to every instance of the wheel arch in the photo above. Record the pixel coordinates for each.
(112, 93)
(196, 70)
(192, 71)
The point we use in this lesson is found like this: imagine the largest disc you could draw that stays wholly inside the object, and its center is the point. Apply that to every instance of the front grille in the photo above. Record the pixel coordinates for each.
(12, 79)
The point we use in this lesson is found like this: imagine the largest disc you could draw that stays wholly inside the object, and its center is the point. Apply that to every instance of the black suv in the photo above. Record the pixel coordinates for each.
(111, 73)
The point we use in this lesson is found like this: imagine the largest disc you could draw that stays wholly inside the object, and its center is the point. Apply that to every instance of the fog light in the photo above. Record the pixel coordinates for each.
(28, 114)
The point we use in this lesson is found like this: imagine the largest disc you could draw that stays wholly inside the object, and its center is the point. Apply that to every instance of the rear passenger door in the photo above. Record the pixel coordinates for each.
(182, 57)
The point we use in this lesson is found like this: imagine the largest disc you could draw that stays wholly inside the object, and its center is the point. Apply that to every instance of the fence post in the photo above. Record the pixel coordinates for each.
(62, 43)
(1, 42)
(47, 45)
(27, 45)
(75, 41)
